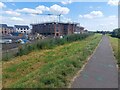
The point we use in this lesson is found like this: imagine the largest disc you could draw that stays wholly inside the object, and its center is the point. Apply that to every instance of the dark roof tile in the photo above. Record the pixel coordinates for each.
(21, 26)
(10, 27)
(3, 25)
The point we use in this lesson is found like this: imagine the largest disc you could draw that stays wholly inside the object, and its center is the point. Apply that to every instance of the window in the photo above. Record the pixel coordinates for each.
(57, 25)
(24, 28)
(57, 30)
(21, 28)
(5, 31)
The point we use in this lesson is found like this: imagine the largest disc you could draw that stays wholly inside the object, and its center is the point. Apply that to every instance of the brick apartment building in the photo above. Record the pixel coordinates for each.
(54, 28)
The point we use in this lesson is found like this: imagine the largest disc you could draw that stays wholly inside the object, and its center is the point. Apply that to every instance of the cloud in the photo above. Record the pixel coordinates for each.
(38, 10)
(17, 19)
(42, 8)
(113, 16)
(67, 20)
(29, 10)
(101, 25)
(81, 16)
(2, 5)
(92, 7)
(91, 15)
(13, 4)
(66, 2)
(111, 23)
(113, 2)
(105, 23)
(13, 13)
(59, 10)
(33, 15)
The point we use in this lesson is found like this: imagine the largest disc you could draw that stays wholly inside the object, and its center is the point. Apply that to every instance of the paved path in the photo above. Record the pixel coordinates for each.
(101, 70)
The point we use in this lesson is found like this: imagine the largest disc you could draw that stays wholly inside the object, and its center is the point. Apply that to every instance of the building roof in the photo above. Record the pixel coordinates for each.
(55, 23)
(81, 27)
(21, 26)
(3, 25)
(10, 27)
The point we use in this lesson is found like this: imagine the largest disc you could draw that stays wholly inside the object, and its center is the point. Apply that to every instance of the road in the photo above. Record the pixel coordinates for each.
(100, 71)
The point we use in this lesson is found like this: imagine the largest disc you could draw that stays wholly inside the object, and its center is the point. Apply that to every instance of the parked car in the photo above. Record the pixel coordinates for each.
(5, 41)
(9, 41)
(23, 41)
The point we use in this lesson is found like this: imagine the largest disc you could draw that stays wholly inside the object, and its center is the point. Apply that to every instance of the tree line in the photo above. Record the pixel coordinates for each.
(116, 33)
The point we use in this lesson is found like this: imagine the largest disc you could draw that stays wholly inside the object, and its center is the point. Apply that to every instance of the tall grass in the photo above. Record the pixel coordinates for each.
(51, 43)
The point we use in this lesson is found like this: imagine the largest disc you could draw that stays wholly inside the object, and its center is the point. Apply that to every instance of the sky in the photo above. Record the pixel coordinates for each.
(94, 16)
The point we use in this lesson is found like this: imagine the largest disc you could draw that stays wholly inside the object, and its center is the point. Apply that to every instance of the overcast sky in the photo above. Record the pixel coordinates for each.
(92, 15)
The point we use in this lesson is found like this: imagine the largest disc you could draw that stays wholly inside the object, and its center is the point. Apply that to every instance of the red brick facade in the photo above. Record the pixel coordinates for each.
(54, 29)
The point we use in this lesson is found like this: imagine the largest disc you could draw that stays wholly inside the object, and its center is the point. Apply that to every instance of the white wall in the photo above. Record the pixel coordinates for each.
(19, 30)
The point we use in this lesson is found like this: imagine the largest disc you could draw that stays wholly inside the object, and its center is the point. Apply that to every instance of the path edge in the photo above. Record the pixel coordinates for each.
(89, 57)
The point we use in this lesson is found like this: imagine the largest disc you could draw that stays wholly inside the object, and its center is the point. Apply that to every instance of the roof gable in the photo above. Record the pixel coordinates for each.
(3, 25)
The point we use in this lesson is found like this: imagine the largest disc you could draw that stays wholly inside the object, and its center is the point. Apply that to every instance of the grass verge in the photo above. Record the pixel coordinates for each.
(51, 68)
(115, 42)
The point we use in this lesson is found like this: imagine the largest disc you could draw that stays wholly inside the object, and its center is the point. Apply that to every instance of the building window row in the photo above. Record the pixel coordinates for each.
(22, 29)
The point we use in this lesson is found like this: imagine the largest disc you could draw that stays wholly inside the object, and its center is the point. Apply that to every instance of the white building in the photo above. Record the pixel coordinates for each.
(22, 29)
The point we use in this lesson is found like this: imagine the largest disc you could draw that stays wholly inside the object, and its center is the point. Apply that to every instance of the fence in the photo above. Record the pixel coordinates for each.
(6, 54)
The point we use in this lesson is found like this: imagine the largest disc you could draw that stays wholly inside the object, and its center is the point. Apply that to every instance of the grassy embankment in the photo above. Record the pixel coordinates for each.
(115, 42)
(48, 68)
(44, 44)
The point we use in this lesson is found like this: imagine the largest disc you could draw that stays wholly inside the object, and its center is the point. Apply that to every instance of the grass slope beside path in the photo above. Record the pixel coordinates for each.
(49, 68)
(116, 49)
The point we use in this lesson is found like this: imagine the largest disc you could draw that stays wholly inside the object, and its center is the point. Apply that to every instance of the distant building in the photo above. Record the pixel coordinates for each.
(4, 29)
(86, 31)
(54, 28)
(22, 29)
(10, 29)
(79, 29)
(82, 29)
